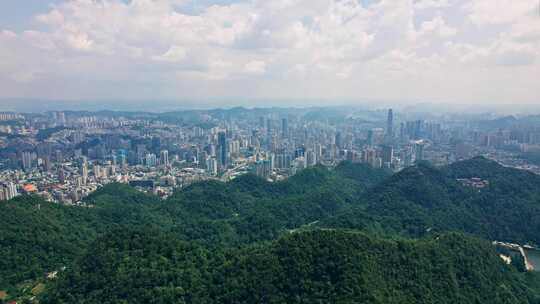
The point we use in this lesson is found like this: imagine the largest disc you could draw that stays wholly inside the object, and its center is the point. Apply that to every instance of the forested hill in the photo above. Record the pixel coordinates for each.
(423, 199)
(38, 237)
(310, 267)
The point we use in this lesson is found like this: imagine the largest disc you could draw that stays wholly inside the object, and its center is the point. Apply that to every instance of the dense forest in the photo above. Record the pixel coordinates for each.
(296, 241)
(307, 267)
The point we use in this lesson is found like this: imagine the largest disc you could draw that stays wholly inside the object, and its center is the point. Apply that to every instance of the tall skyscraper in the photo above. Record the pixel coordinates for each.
(84, 172)
(419, 151)
(61, 116)
(27, 159)
(212, 166)
(164, 157)
(222, 148)
(418, 129)
(150, 160)
(339, 140)
(285, 127)
(269, 129)
(390, 124)
(387, 154)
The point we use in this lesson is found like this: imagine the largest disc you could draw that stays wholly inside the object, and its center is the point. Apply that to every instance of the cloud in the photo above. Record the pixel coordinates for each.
(489, 12)
(305, 48)
(438, 27)
(430, 4)
(7, 34)
(174, 54)
(255, 67)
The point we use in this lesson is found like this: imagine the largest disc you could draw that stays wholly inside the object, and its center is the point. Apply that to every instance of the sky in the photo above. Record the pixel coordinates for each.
(440, 51)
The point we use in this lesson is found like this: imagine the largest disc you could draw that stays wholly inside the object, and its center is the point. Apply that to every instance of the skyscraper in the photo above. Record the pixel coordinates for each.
(61, 116)
(27, 159)
(222, 148)
(269, 129)
(339, 140)
(418, 129)
(211, 166)
(419, 151)
(370, 137)
(84, 172)
(387, 154)
(164, 157)
(390, 124)
(8, 191)
(284, 127)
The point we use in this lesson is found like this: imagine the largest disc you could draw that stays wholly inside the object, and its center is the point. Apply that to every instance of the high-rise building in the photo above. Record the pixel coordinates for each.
(150, 160)
(61, 118)
(212, 166)
(164, 157)
(402, 132)
(62, 175)
(419, 151)
(283, 161)
(97, 171)
(418, 129)
(84, 172)
(375, 136)
(285, 128)
(8, 191)
(339, 140)
(269, 129)
(390, 124)
(262, 168)
(311, 158)
(387, 154)
(222, 148)
(27, 159)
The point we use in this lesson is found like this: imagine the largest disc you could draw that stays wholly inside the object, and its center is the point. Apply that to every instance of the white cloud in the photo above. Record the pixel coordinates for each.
(329, 48)
(174, 54)
(438, 27)
(7, 34)
(486, 12)
(255, 67)
(430, 4)
(53, 18)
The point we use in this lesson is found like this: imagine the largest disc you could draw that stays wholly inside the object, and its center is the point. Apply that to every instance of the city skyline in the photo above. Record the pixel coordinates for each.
(65, 156)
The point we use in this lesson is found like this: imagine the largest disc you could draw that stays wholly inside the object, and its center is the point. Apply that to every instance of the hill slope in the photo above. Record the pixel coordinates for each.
(313, 267)
(35, 241)
(214, 217)
(421, 199)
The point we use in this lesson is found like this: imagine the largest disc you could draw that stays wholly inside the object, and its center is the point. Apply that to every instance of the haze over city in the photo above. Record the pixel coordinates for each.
(260, 53)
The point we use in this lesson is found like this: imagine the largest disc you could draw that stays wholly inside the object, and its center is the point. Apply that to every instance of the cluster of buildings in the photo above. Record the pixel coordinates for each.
(65, 156)
(474, 182)
(8, 191)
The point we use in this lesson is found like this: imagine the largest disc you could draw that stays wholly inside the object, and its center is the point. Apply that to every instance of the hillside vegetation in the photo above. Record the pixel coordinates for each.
(309, 267)
(230, 224)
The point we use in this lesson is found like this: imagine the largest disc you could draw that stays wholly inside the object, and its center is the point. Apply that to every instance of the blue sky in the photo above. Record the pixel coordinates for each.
(18, 16)
(463, 51)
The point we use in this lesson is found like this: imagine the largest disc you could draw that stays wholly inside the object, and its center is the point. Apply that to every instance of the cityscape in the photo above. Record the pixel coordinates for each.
(269, 152)
(65, 156)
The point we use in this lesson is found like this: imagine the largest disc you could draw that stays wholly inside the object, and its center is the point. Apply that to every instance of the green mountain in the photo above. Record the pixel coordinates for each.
(38, 237)
(423, 199)
(225, 222)
(310, 267)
